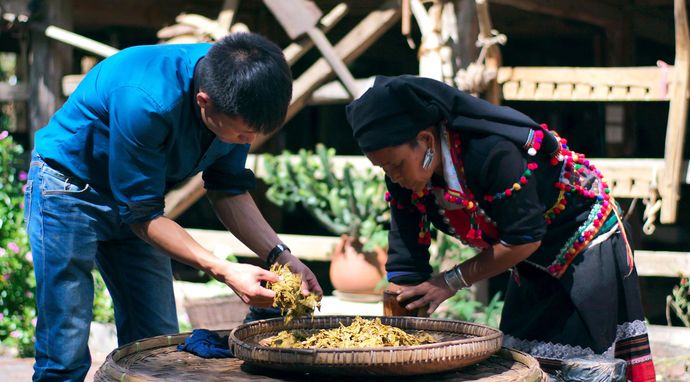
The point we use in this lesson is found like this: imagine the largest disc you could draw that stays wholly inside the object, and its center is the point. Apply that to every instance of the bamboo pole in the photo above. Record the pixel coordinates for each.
(677, 118)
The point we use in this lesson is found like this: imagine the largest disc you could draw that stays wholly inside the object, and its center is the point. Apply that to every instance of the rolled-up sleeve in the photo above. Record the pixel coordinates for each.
(137, 165)
(228, 174)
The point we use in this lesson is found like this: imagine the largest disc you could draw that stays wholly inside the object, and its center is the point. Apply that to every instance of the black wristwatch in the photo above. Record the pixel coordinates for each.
(275, 252)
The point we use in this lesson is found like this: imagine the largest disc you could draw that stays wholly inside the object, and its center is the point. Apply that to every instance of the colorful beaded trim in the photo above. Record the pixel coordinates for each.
(516, 186)
(559, 206)
(576, 170)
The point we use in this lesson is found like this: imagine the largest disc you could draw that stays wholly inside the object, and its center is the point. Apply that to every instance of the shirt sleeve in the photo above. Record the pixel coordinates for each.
(519, 216)
(408, 260)
(137, 162)
(228, 173)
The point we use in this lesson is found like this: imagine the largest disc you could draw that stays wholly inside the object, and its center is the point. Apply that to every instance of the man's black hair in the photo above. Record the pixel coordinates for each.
(246, 75)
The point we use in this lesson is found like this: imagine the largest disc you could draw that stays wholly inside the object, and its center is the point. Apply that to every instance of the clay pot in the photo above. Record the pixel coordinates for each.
(354, 272)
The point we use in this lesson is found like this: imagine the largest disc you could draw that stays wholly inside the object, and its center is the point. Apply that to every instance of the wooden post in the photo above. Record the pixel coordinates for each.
(227, 14)
(49, 61)
(493, 54)
(677, 117)
(468, 29)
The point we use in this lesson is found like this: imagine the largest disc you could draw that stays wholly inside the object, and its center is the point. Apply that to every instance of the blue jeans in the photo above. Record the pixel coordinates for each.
(73, 227)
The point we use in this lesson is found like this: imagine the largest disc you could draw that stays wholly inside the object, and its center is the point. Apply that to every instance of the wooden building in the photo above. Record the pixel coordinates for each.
(561, 63)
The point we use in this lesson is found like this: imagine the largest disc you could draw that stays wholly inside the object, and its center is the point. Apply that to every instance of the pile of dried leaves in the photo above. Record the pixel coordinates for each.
(362, 333)
(289, 298)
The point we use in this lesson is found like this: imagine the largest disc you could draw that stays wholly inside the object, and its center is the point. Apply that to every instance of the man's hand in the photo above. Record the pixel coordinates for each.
(433, 292)
(309, 282)
(245, 280)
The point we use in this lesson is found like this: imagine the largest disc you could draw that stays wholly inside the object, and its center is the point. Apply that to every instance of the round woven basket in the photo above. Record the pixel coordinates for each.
(223, 312)
(458, 344)
(157, 359)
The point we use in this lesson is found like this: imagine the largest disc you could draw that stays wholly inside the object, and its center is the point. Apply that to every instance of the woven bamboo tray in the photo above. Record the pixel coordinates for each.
(216, 313)
(458, 344)
(156, 359)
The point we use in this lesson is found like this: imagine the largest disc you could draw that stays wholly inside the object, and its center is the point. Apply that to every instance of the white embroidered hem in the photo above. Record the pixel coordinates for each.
(562, 351)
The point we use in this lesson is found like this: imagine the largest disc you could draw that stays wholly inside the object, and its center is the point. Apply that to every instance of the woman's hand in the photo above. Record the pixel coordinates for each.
(309, 282)
(433, 292)
(245, 280)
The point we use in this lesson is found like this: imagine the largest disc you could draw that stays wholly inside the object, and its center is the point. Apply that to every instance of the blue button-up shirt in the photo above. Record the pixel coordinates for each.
(132, 127)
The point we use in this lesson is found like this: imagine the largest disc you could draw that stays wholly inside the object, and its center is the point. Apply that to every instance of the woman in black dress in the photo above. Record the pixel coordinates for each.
(496, 180)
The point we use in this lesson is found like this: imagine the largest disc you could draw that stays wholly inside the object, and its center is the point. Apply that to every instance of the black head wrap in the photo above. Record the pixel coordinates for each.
(395, 109)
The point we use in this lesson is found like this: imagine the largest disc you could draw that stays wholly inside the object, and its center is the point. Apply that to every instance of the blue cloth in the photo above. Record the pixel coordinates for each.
(132, 127)
(206, 344)
(71, 225)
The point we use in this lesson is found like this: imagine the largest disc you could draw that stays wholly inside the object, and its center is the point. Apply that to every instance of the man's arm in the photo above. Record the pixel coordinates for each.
(244, 279)
(243, 219)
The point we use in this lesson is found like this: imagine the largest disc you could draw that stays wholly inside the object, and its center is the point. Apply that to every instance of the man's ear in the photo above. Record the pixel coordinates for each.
(203, 100)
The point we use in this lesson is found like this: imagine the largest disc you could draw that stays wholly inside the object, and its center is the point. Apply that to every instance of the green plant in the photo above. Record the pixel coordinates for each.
(351, 202)
(463, 306)
(17, 281)
(679, 302)
(102, 302)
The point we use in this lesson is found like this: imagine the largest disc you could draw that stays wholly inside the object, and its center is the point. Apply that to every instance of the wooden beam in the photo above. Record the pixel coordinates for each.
(334, 92)
(677, 118)
(301, 46)
(644, 83)
(227, 14)
(13, 93)
(178, 200)
(292, 52)
(358, 40)
(311, 248)
(662, 264)
(319, 248)
(628, 178)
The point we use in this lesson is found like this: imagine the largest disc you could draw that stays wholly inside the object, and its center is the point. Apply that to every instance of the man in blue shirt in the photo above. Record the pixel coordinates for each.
(141, 122)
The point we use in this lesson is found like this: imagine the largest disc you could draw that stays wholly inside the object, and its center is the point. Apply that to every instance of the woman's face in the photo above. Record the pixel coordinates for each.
(403, 163)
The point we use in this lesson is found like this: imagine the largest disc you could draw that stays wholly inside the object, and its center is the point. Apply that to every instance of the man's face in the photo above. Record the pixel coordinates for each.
(228, 128)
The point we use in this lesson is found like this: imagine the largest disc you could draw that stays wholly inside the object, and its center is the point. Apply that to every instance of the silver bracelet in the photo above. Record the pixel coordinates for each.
(454, 279)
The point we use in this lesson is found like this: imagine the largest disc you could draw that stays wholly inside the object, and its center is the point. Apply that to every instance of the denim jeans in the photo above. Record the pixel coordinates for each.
(73, 227)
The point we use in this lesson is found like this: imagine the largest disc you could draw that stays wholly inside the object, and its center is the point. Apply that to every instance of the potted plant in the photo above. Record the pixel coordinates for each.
(348, 203)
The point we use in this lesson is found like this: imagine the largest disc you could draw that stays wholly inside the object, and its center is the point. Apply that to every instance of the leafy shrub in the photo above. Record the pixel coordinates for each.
(345, 202)
(678, 302)
(17, 281)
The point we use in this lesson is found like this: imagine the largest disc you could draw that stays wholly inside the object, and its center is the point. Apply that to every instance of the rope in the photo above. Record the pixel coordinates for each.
(476, 77)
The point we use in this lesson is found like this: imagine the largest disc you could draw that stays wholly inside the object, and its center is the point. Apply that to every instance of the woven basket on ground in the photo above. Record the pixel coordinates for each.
(156, 359)
(217, 313)
(458, 344)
